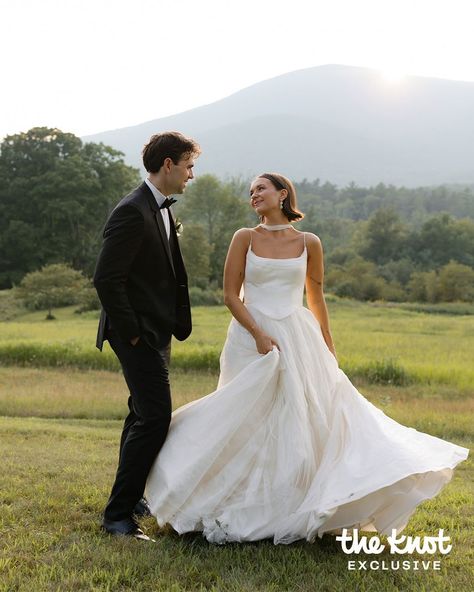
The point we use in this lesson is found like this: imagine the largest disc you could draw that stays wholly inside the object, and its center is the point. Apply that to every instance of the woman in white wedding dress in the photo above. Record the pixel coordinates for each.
(286, 447)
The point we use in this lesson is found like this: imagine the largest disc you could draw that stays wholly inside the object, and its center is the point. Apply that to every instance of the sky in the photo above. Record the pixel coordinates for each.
(86, 66)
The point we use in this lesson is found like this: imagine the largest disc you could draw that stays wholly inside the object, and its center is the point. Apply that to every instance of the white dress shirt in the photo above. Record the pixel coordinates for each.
(160, 198)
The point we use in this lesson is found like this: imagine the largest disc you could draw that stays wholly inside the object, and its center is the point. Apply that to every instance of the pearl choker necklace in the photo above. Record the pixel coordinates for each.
(274, 227)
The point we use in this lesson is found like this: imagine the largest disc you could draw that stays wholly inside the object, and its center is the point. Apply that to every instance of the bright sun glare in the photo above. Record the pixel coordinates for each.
(392, 75)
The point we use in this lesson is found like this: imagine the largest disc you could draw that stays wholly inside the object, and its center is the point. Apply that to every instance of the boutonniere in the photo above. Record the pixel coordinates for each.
(178, 226)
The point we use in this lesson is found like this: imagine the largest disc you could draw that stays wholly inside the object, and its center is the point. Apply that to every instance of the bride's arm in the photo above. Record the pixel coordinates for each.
(314, 288)
(234, 273)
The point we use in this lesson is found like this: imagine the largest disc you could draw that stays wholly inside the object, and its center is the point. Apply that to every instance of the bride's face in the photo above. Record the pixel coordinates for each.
(264, 196)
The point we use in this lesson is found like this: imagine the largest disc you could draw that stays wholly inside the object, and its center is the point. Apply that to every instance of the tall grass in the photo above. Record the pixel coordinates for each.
(72, 393)
(375, 344)
(73, 354)
(379, 372)
(93, 394)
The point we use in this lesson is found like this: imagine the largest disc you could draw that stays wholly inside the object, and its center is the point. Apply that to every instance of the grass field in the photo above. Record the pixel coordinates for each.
(59, 433)
(427, 348)
(54, 481)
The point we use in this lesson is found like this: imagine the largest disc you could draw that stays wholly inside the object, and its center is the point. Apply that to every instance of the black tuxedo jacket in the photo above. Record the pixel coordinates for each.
(140, 276)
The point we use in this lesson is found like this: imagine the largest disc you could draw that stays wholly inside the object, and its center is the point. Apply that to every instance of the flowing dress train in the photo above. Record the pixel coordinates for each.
(286, 447)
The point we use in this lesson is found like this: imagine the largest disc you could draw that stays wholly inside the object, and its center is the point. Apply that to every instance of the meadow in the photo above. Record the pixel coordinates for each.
(60, 421)
(414, 346)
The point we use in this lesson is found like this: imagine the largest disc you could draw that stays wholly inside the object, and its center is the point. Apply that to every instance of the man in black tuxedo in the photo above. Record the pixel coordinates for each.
(142, 284)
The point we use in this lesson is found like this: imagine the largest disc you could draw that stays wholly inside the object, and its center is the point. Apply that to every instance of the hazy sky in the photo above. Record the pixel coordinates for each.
(90, 65)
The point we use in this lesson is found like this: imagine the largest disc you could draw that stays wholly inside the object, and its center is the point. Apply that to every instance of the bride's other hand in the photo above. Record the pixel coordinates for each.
(264, 343)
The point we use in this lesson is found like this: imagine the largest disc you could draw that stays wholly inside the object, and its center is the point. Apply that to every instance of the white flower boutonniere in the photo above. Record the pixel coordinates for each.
(178, 226)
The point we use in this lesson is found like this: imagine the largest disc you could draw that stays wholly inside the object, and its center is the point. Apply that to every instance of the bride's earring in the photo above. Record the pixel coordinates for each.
(281, 205)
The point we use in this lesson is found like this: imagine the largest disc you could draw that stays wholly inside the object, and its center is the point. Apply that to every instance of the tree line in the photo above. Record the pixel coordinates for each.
(381, 242)
(55, 193)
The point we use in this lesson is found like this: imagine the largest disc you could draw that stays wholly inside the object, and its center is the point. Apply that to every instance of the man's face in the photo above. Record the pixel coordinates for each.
(180, 174)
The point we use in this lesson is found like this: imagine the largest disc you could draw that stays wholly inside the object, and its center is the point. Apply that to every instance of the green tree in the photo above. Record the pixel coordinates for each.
(87, 298)
(53, 286)
(424, 287)
(196, 253)
(456, 282)
(392, 291)
(55, 194)
(212, 204)
(384, 237)
(356, 279)
(465, 247)
(441, 239)
(397, 271)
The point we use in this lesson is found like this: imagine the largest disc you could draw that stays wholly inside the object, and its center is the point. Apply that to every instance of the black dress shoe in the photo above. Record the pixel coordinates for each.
(125, 527)
(142, 508)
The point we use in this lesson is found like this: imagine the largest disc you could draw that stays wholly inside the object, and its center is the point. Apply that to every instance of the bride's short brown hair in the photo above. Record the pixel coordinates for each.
(290, 207)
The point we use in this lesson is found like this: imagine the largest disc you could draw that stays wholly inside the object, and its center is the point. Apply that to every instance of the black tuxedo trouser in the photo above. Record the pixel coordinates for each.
(146, 426)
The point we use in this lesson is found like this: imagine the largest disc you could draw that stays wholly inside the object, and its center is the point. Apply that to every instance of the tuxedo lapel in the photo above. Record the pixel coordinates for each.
(160, 224)
(175, 244)
(164, 238)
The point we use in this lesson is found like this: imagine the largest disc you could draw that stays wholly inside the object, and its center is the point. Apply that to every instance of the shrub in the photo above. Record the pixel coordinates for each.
(88, 300)
(200, 297)
(423, 287)
(71, 354)
(356, 279)
(456, 282)
(380, 372)
(51, 287)
(10, 306)
(393, 292)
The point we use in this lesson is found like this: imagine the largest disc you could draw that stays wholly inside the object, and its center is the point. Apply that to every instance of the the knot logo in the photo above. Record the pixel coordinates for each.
(398, 545)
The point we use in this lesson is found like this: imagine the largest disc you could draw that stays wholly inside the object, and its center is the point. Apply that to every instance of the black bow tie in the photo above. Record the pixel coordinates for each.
(168, 202)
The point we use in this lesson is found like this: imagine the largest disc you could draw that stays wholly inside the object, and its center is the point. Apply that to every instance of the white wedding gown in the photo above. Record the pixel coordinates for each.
(286, 447)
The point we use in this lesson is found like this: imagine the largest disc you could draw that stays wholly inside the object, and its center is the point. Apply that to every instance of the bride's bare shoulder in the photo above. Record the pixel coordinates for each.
(243, 233)
(242, 237)
(313, 244)
(312, 239)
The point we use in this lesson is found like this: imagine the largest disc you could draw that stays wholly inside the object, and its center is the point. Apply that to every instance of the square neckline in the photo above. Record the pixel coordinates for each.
(249, 250)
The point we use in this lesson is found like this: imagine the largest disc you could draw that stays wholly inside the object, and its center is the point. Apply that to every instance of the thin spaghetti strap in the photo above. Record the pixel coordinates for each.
(304, 239)
(250, 243)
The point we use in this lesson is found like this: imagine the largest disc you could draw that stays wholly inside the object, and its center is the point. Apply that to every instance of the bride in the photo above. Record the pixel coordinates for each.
(286, 447)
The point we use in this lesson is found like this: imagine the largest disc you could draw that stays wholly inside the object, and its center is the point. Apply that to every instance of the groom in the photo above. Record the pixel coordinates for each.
(142, 284)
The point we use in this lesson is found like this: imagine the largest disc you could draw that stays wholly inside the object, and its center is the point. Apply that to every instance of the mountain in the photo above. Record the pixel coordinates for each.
(336, 123)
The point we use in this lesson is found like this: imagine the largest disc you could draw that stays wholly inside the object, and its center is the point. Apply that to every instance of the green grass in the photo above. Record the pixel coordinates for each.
(375, 343)
(56, 476)
(72, 393)
(59, 439)
(443, 308)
